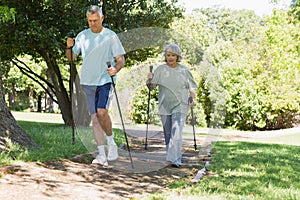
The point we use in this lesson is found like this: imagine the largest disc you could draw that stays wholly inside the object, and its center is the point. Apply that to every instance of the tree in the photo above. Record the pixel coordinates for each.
(295, 9)
(42, 26)
(258, 76)
(10, 131)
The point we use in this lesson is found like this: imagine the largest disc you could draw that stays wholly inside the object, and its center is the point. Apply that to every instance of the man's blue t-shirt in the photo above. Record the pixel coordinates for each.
(97, 49)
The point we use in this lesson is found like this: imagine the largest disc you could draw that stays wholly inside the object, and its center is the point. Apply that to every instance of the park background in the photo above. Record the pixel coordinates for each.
(246, 65)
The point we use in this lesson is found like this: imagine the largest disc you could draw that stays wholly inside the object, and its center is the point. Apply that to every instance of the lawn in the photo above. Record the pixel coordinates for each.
(242, 170)
(54, 140)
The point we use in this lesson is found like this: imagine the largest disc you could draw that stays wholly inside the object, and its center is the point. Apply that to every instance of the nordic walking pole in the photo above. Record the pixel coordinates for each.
(113, 83)
(71, 35)
(193, 122)
(148, 110)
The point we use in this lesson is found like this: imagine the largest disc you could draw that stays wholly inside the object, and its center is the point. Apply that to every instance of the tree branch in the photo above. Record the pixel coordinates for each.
(31, 74)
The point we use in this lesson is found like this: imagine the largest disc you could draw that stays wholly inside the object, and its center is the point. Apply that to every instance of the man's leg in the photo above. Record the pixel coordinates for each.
(104, 96)
(99, 137)
(97, 130)
(104, 120)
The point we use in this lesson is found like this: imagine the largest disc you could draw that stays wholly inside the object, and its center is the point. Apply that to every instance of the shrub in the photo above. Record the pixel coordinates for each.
(139, 106)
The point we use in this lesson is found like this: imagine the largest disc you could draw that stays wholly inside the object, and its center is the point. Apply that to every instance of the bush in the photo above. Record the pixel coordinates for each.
(243, 92)
(139, 106)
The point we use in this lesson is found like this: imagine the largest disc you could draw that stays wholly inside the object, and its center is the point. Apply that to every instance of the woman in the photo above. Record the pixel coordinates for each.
(176, 91)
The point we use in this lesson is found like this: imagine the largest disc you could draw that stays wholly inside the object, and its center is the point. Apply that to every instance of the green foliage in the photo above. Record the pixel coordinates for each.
(256, 97)
(17, 85)
(139, 106)
(192, 41)
(40, 25)
(140, 13)
(11, 153)
(253, 84)
(47, 23)
(212, 96)
(295, 9)
(199, 115)
(6, 13)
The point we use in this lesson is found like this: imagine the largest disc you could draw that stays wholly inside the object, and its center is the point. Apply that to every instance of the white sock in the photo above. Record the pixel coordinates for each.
(110, 140)
(101, 150)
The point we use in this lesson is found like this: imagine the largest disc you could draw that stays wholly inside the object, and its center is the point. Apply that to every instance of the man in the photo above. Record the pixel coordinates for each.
(98, 45)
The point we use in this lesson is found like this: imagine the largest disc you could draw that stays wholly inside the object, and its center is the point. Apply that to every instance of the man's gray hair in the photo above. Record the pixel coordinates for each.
(92, 9)
(173, 48)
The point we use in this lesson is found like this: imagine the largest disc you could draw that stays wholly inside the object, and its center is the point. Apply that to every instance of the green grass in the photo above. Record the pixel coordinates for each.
(241, 170)
(54, 140)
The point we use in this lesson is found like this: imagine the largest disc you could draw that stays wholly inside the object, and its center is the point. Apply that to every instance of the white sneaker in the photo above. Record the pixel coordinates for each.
(100, 159)
(112, 152)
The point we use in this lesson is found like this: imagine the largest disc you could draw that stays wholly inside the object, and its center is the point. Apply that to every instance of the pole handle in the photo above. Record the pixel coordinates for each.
(71, 34)
(190, 100)
(108, 64)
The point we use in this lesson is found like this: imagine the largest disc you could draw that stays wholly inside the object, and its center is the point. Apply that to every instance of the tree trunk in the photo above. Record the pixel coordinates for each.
(31, 99)
(12, 96)
(59, 89)
(9, 128)
(78, 110)
(79, 107)
(39, 103)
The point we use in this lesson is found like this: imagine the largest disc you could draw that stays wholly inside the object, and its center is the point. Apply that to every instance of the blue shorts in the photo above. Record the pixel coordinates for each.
(98, 96)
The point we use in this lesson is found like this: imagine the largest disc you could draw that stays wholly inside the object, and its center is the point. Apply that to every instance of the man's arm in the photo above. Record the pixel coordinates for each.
(120, 61)
(68, 54)
(70, 44)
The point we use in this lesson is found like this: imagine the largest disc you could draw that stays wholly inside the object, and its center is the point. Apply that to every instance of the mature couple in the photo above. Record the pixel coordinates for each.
(99, 45)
